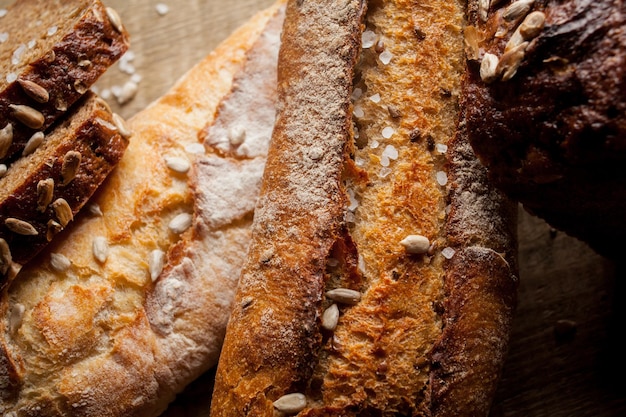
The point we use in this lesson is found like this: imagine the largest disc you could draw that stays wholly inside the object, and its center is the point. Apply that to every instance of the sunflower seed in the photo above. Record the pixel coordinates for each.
(532, 25)
(20, 227)
(105, 124)
(33, 143)
(236, 135)
(27, 115)
(517, 10)
(514, 41)
(5, 257)
(94, 210)
(344, 296)
(290, 403)
(488, 68)
(60, 104)
(45, 191)
(483, 9)
(177, 164)
(15, 316)
(100, 248)
(3, 170)
(50, 56)
(63, 211)
(122, 126)
(103, 103)
(34, 91)
(416, 244)
(6, 139)
(156, 261)
(80, 87)
(59, 262)
(180, 223)
(330, 317)
(115, 19)
(52, 229)
(69, 168)
(511, 61)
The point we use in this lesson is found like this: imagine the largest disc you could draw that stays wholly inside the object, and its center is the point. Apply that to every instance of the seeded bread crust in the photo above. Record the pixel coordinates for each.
(121, 335)
(554, 135)
(54, 52)
(41, 192)
(414, 330)
(272, 336)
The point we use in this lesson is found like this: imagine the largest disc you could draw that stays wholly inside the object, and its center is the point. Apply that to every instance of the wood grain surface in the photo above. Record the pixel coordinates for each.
(567, 357)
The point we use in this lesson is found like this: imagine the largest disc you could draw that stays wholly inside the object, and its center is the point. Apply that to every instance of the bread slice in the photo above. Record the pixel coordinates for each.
(381, 277)
(130, 303)
(42, 191)
(53, 52)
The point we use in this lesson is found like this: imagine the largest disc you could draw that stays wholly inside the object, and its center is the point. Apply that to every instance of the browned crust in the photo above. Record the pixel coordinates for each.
(92, 38)
(554, 136)
(480, 287)
(301, 206)
(272, 340)
(467, 360)
(89, 130)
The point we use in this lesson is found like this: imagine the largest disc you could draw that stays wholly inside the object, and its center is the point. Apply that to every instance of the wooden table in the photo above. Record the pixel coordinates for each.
(566, 358)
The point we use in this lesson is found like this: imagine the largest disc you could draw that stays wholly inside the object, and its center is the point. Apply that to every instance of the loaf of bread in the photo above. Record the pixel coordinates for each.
(52, 52)
(546, 110)
(130, 302)
(42, 191)
(381, 277)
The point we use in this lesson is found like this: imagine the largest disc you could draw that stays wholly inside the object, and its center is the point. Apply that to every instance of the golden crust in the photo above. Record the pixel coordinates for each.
(400, 348)
(90, 337)
(301, 201)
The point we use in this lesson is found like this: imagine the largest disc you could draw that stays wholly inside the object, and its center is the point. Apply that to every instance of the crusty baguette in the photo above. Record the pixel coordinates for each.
(42, 191)
(548, 116)
(96, 325)
(381, 276)
(54, 51)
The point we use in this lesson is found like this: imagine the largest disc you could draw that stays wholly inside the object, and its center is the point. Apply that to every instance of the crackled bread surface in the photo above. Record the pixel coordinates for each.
(377, 239)
(130, 303)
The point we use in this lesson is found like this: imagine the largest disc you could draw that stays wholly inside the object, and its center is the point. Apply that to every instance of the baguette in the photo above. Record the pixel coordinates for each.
(53, 52)
(130, 304)
(381, 276)
(43, 191)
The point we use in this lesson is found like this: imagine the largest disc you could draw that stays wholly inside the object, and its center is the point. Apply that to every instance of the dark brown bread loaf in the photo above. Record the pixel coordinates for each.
(53, 52)
(381, 276)
(41, 192)
(548, 118)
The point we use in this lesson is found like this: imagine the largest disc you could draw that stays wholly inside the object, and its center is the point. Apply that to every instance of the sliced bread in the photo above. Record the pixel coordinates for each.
(51, 53)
